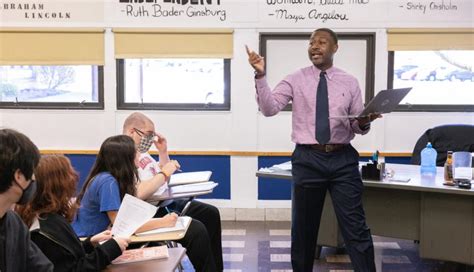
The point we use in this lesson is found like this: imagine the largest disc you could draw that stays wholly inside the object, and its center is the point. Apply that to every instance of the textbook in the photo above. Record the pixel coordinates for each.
(189, 177)
(182, 224)
(142, 254)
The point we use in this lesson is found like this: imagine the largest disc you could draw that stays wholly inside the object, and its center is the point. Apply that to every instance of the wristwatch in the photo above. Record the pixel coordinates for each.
(259, 75)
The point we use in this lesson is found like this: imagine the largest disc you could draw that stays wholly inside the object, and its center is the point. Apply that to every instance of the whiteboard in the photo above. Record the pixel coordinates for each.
(286, 53)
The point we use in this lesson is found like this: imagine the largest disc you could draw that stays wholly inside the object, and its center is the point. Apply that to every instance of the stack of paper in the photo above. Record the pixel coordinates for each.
(286, 166)
(193, 187)
(142, 254)
(189, 177)
(181, 225)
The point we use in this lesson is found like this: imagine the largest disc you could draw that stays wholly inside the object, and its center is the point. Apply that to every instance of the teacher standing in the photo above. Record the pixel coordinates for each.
(323, 158)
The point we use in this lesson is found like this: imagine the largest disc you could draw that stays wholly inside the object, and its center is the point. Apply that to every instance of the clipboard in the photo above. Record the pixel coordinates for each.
(384, 102)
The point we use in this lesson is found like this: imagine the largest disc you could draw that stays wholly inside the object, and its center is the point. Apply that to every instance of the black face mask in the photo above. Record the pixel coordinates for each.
(28, 192)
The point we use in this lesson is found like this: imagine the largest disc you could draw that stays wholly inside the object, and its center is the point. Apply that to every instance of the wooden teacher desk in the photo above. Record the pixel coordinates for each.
(440, 217)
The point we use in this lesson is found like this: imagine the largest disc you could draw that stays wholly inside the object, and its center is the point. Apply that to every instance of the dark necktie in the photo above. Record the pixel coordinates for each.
(323, 132)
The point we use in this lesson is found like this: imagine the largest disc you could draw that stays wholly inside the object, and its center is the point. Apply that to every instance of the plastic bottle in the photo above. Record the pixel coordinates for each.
(448, 167)
(428, 160)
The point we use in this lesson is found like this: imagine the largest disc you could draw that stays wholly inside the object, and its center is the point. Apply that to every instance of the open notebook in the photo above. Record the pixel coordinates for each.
(182, 224)
(189, 177)
(142, 254)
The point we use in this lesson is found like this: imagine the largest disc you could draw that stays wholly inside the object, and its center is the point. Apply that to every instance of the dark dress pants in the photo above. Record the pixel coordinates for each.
(314, 172)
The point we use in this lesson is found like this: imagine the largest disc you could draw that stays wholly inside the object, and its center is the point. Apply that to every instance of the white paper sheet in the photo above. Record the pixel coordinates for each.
(133, 213)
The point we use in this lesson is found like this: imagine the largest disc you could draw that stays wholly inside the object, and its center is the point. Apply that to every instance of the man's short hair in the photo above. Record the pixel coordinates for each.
(136, 119)
(332, 33)
(17, 152)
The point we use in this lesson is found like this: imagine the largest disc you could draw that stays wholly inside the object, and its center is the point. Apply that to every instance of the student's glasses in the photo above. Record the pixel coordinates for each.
(143, 134)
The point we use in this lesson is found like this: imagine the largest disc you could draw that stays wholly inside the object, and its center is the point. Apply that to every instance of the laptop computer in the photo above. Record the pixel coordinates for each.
(384, 102)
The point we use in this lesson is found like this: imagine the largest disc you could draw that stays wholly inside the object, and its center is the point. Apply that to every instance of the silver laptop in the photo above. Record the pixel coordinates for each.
(384, 102)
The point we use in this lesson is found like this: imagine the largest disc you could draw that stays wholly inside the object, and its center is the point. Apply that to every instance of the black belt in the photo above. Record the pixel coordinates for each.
(325, 148)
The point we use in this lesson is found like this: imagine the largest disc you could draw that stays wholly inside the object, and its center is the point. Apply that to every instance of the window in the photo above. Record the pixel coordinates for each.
(50, 86)
(437, 64)
(174, 84)
(356, 55)
(173, 69)
(51, 68)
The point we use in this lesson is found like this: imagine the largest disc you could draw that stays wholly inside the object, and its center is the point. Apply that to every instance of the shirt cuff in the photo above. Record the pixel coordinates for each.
(365, 127)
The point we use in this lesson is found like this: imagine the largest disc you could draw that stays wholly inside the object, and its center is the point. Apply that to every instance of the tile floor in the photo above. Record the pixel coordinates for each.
(265, 246)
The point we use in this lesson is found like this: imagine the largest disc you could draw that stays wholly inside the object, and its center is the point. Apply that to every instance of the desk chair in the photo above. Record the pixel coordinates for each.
(445, 138)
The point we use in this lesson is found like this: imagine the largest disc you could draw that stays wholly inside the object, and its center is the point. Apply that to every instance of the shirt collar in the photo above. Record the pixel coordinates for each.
(329, 72)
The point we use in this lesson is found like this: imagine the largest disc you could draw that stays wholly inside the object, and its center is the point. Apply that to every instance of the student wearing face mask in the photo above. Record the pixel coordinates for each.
(50, 213)
(18, 159)
(154, 176)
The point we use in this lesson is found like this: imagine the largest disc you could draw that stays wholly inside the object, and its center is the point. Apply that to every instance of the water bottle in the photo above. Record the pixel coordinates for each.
(428, 160)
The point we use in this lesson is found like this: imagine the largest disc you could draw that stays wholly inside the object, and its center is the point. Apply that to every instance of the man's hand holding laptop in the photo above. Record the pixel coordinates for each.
(364, 120)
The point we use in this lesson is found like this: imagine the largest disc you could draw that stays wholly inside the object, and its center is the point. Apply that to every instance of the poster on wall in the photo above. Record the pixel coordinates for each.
(440, 13)
(180, 13)
(366, 13)
(50, 12)
(278, 14)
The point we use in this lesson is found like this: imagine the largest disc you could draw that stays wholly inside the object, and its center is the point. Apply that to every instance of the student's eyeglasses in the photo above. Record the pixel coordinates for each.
(143, 134)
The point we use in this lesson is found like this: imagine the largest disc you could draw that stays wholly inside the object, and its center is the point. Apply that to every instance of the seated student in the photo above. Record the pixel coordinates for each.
(18, 159)
(113, 175)
(52, 210)
(154, 175)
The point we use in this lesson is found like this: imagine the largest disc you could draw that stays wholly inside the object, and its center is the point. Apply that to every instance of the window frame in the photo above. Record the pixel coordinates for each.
(122, 105)
(99, 105)
(369, 37)
(421, 107)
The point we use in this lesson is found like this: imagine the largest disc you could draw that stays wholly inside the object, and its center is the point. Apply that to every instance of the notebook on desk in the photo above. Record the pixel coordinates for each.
(384, 102)
(187, 190)
(142, 254)
(189, 177)
(182, 224)
(195, 187)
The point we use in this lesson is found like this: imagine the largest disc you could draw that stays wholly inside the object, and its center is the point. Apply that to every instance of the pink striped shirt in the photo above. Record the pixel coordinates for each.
(300, 88)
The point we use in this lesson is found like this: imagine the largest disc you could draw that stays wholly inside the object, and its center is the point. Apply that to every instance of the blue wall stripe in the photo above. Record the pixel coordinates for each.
(219, 165)
(268, 189)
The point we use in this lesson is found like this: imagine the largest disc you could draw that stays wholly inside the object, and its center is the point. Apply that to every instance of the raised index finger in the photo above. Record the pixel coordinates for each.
(248, 50)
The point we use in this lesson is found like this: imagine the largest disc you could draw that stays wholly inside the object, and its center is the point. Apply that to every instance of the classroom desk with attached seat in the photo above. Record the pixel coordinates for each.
(440, 217)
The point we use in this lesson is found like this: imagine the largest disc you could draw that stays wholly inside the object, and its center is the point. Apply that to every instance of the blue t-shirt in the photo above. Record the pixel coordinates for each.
(102, 195)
